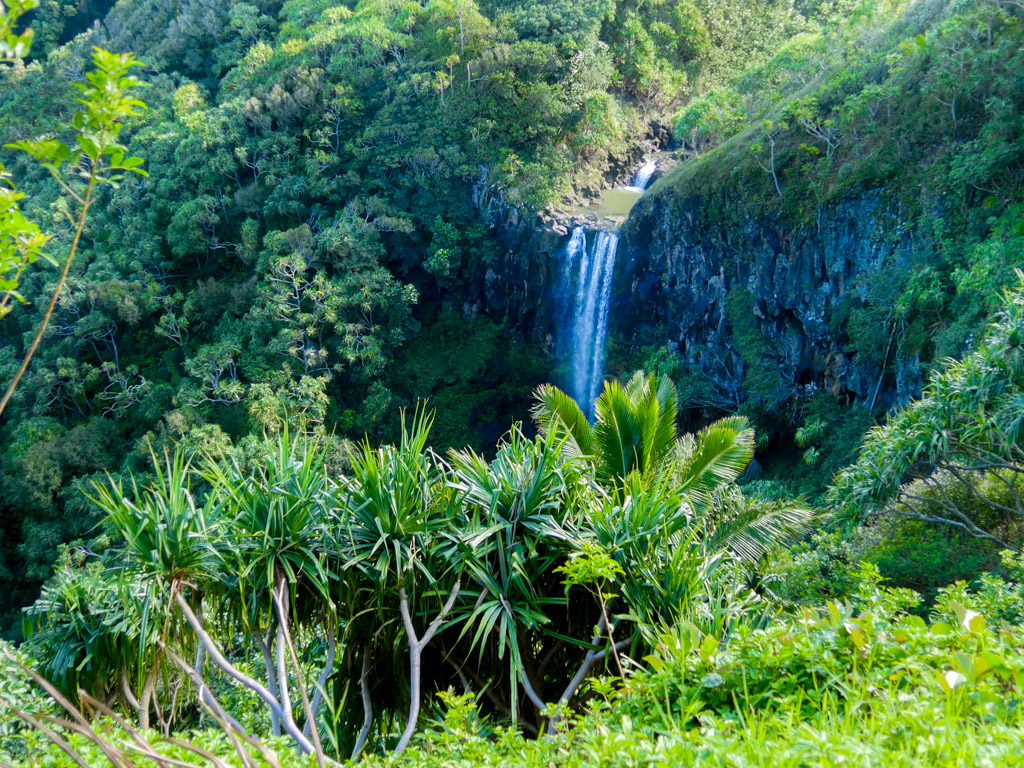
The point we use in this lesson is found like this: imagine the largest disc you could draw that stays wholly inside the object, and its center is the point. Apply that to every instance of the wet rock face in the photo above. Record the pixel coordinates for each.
(523, 287)
(679, 266)
(518, 288)
(675, 270)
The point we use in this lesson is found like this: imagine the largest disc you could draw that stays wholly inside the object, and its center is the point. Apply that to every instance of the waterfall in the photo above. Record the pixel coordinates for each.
(644, 173)
(588, 269)
(642, 177)
(577, 244)
(585, 297)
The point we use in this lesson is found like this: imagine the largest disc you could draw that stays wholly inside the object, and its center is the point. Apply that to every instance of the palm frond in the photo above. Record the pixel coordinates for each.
(617, 431)
(556, 412)
(755, 527)
(720, 454)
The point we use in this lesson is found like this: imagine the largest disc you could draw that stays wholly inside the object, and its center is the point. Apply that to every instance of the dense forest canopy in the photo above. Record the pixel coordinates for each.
(306, 242)
(291, 448)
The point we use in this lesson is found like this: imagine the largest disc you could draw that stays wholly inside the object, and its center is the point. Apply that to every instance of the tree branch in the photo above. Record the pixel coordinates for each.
(232, 671)
(416, 646)
(364, 690)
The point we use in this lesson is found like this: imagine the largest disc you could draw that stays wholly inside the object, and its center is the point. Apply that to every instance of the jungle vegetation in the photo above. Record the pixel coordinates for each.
(253, 513)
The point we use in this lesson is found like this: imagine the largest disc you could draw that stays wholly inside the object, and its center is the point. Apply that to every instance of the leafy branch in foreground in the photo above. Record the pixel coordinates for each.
(21, 241)
(967, 431)
(96, 159)
(15, 45)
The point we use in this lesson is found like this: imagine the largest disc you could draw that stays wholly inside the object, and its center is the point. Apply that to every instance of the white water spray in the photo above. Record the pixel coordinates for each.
(586, 298)
(589, 270)
(644, 174)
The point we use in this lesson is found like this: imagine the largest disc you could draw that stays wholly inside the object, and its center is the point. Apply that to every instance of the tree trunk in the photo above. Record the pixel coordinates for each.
(129, 697)
(416, 646)
(268, 664)
(281, 599)
(226, 666)
(589, 660)
(321, 683)
(364, 689)
(146, 699)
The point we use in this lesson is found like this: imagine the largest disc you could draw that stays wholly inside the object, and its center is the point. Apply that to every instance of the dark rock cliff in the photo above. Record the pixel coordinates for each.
(679, 266)
(523, 287)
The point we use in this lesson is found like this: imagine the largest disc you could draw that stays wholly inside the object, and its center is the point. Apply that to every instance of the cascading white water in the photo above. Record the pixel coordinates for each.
(577, 244)
(586, 297)
(589, 269)
(642, 177)
(644, 174)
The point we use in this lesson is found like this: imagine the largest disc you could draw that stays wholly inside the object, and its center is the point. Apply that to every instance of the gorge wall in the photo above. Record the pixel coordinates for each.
(748, 309)
(688, 280)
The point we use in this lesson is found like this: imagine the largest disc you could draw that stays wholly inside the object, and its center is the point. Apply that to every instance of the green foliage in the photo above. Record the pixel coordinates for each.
(92, 632)
(707, 120)
(1000, 597)
(966, 428)
(489, 555)
(97, 159)
(900, 108)
(310, 223)
(862, 683)
(21, 242)
(161, 523)
(634, 432)
(762, 356)
(822, 567)
(908, 554)
(923, 556)
(14, 44)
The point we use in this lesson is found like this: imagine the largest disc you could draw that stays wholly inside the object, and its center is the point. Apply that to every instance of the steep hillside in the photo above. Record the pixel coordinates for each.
(856, 229)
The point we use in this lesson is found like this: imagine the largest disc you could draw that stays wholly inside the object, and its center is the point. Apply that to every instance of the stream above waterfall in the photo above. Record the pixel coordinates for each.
(615, 203)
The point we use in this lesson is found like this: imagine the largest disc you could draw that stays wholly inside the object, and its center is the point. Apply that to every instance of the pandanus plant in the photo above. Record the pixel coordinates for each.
(183, 546)
(521, 507)
(95, 630)
(549, 560)
(273, 563)
(396, 532)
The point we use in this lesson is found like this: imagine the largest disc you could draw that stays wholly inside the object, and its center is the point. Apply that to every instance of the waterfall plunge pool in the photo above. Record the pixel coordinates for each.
(615, 204)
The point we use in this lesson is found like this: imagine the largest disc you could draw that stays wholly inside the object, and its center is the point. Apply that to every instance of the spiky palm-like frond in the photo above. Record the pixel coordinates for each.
(275, 512)
(715, 457)
(557, 413)
(167, 532)
(520, 508)
(92, 627)
(634, 426)
(751, 528)
(969, 422)
(395, 505)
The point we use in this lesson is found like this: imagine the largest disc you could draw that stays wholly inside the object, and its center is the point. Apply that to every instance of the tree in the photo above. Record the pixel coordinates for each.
(272, 562)
(21, 241)
(397, 533)
(181, 545)
(95, 630)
